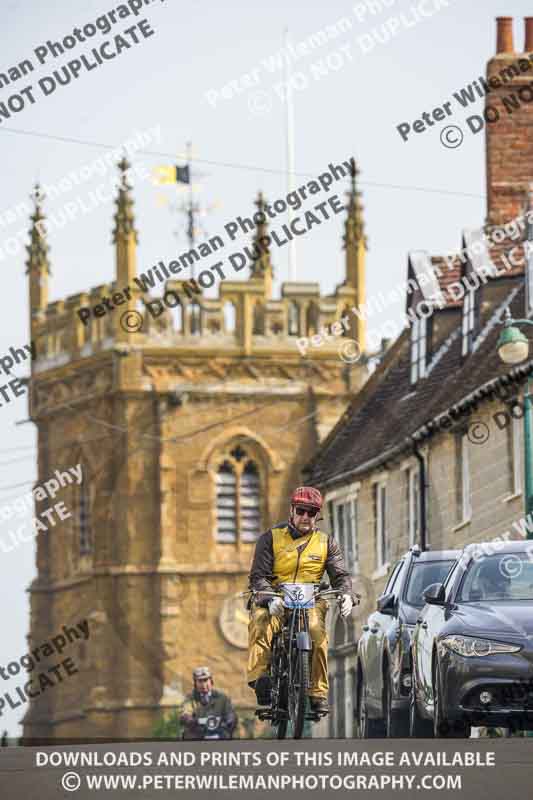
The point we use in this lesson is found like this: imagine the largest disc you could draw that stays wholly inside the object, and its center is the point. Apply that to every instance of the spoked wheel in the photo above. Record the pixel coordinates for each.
(298, 692)
(280, 680)
(282, 710)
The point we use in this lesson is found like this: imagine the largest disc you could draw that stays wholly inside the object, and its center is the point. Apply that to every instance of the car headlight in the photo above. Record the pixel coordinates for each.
(472, 647)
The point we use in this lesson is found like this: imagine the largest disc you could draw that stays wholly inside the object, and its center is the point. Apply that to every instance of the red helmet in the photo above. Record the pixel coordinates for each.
(307, 496)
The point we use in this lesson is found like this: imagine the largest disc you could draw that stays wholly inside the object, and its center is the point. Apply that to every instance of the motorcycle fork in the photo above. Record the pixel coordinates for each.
(299, 624)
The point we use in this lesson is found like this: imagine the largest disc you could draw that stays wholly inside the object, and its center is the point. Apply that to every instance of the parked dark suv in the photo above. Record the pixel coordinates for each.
(472, 651)
(383, 659)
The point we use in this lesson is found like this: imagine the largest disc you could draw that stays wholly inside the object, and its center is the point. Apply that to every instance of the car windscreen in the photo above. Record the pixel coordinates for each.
(423, 574)
(504, 576)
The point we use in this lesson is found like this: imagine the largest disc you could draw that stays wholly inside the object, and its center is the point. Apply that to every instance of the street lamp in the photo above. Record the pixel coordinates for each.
(513, 347)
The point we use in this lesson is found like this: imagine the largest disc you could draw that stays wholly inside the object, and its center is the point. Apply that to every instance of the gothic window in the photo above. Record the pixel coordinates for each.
(226, 503)
(294, 319)
(238, 498)
(259, 319)
(84, 520)
(249, 502)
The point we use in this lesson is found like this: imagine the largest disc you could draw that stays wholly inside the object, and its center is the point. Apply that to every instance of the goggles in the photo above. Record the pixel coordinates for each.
(301, 511)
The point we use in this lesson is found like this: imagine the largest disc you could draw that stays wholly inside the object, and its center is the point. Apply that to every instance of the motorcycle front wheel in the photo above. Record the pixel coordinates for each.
(298, 692)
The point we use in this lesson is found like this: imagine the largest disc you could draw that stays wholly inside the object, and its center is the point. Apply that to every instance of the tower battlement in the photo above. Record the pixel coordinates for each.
(242, 320)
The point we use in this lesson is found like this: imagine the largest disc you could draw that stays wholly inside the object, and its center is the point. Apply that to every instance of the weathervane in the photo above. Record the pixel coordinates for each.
(193, 211)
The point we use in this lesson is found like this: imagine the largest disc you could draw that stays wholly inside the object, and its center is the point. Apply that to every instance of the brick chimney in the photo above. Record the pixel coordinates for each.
(529, 34)
(509, 107)
(504, 35)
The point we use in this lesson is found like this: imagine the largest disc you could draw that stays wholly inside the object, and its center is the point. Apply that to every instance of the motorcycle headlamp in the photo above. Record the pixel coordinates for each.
(473, 647)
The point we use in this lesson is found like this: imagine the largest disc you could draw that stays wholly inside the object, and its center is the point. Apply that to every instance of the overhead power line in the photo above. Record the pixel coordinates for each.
(235, 165)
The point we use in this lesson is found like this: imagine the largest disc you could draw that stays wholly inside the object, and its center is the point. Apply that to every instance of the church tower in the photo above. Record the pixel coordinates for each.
(191, 430)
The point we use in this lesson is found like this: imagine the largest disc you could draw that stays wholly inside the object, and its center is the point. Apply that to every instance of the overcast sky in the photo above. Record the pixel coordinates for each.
(417, 194)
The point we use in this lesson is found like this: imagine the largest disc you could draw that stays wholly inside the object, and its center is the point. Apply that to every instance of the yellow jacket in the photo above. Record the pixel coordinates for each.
(301, 560)
(282, 556)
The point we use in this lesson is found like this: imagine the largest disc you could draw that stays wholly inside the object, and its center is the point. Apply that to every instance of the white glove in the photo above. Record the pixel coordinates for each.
(276, 607)
(346, 605)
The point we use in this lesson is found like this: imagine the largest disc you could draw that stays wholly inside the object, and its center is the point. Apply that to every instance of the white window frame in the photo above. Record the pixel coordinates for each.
(419, 336)
(380, 528)
(240, 534)
(413, 504)
(468, 322)
(347, 497)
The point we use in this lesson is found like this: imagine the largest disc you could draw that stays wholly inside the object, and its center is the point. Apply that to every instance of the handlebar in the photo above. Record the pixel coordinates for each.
(326, 594)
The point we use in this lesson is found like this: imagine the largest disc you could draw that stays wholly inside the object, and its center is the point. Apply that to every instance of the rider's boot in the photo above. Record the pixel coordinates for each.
(319, 704)
(263, 690)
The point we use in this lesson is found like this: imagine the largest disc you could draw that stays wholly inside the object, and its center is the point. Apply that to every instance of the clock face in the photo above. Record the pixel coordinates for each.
(234, 621)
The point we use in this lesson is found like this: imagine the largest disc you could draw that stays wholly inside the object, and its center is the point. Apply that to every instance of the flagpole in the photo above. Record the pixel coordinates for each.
(190, 231)
(290, 155)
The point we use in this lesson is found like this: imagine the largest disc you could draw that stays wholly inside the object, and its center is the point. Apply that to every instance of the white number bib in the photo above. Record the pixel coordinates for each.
(298, 595)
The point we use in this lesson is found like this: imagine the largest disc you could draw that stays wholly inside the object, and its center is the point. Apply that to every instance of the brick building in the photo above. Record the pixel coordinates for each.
(439, 466)
(191, 433)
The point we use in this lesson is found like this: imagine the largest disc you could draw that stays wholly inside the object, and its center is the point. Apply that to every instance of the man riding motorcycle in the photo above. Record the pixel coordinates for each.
(207, 713)
(294, 552)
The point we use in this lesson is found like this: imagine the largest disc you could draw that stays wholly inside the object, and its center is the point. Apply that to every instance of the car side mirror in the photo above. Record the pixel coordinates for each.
(385, 604)
(434, 594)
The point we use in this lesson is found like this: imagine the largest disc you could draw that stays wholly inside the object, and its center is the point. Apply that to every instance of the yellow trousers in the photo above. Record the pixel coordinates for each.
(261, 629)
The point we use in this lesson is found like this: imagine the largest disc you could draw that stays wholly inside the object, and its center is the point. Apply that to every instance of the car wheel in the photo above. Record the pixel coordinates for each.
(441, 726)
(396, 722)
(367, 728)
(419, 728)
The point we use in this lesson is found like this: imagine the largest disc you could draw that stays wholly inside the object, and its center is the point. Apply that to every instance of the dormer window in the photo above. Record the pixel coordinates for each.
(471, 306)
(423, 283)
(420, 333)
(469, 314)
